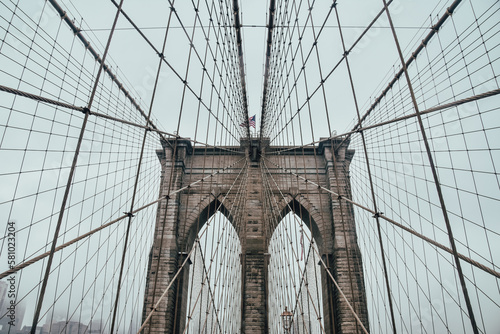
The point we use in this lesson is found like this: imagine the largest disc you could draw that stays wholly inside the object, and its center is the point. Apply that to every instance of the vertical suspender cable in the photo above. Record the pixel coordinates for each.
(70, 179)
(434, 174)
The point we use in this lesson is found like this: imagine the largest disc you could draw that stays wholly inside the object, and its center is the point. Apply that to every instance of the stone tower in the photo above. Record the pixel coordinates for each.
(183, 213)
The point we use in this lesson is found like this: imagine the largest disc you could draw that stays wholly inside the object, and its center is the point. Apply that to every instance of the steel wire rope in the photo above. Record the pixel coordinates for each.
(417, 256)
(288, 276)
(210, 292)
(93, 113)
(194, 148)
(139, 165)
(438, 280)
(40, 281)
(315, 38)
(47, 272)
(402, 118)
(288, 237)
(425, 41)
(481, 34)
(333, 280)
(497, 83)
(200, 209)
(78, 233)
(368, 169)
(145, 322)
(461, 256)
(112, 222)
(436, 179)
(236, 247)
(445, 322)
(433, 31)
(210, 304)
(396, 270)
(11, 109)
(309, 293)
(54, 61)
(70, 206)
(415, 179)
(113, 77)
(429, 220)
(279, 71)
(470, 163)
(178, 75)
(305, 79)
(56, 298)
(284, 160)
(70, 177)
(280, 279)
(193, 47)
(97, 57)
(343, 215)
(287, 82)
(297, 304)
(44, 159)
(305, 281)
(299, 47)
(174, 153)
(53, 270)
(217, 276)
(336, 66)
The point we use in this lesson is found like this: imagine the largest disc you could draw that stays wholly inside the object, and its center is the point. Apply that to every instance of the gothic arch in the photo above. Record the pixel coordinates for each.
(301, 206)
(180, 219)
(201, 214)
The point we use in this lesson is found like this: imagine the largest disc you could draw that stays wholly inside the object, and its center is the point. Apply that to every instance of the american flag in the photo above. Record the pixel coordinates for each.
(251, 122)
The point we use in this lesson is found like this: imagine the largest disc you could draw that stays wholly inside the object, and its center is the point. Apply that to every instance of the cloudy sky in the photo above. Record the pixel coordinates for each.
(40, 55)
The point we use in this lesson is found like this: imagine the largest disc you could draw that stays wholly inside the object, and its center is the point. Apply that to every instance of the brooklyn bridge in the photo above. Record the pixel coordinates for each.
(235, 166)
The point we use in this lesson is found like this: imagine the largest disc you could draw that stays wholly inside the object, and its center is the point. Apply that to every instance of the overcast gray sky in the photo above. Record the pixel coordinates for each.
(37, 143)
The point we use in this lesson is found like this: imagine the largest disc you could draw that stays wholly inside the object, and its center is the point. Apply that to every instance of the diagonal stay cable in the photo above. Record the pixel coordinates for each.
(150, 314)
(434, 175)
(77, 31)
(83, 236)
(270, 26)
(327, 270)
(237, 26)
(206, 271)
(440, 107)
(69, 181)
(302, 66)
(370, 179)
(87, 44)
(240, 197)
(193, 47)
(277, 219)
(235, 212)
(176, 73)
(138, 173)
(363, 33)
(393, 222)
(433, 31)
(97, 114)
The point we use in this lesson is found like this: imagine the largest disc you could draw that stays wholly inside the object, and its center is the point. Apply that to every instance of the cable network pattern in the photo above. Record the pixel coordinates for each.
(87, 100)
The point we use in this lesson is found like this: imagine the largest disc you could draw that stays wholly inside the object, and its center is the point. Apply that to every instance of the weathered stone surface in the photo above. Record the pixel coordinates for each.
(331, 221)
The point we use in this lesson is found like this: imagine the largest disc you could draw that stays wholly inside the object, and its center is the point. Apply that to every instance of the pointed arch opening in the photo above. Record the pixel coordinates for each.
(213, 296)
(294, 276)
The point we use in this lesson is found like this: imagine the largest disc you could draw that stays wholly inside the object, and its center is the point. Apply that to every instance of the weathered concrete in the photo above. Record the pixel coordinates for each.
(331, 221)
